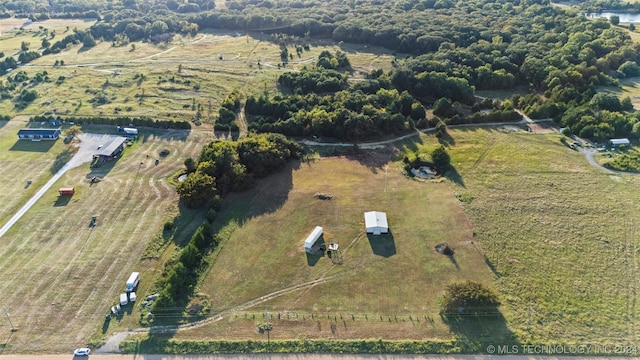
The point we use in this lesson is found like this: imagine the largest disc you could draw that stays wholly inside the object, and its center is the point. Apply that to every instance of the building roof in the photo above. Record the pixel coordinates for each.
(375, 219)
(41, 132)
(109, 148)
(623, 141)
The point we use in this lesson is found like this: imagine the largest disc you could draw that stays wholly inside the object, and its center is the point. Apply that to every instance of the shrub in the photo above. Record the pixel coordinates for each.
(440, 158)
(469, 298)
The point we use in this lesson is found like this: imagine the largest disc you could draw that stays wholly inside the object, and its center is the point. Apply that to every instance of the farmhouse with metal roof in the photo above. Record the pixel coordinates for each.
(39, 134)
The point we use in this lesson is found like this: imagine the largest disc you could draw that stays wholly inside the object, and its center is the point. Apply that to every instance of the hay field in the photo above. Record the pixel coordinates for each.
(555, 237)
(384, 286)
(59, 275)
(175, 80)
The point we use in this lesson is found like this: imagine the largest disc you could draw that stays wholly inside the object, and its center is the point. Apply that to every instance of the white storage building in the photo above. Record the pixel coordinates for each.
(376, 222)
(618, 142)
(312, 238)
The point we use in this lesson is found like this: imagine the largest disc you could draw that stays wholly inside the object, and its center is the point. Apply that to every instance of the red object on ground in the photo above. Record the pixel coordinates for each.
(66, 191)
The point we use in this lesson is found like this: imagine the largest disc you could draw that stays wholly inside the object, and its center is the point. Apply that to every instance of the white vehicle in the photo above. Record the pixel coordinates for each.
(132, 296)
(124, 300)
(133, 281)
(81, 352)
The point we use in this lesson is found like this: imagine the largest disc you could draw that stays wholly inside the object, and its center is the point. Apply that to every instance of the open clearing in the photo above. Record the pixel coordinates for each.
(59, 275)
(144, 79)
(395, 276)
(558, 235)
(560, 240)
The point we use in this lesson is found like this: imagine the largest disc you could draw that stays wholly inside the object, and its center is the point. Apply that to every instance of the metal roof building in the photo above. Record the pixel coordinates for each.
(376, 222)
(617, 142)
(39, 134)
(111, 149)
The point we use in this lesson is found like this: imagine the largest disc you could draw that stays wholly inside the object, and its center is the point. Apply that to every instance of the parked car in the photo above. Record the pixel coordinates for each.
(81, 352)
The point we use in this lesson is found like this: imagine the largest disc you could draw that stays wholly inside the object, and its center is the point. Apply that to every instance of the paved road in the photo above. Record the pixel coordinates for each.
(306, 357)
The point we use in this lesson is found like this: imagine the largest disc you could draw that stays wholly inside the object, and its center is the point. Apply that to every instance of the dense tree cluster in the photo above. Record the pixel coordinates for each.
(227, 114)
(119, 121)
(456, 47)
(233, 166)
(364, 110)
(181, 275)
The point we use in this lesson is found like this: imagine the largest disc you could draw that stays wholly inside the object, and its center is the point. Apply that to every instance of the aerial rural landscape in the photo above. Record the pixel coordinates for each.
(304, 176)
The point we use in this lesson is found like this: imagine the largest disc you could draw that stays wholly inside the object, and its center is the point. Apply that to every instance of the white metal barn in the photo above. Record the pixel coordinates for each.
(616, 142)
(312, 238)
(376, 222)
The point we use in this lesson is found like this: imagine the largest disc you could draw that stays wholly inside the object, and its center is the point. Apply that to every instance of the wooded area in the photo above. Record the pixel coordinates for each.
(453, 49)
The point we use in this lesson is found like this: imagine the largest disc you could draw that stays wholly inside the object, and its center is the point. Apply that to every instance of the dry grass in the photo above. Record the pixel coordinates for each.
(558, 235)
(396, 277)
(213, 64)
(60, 275)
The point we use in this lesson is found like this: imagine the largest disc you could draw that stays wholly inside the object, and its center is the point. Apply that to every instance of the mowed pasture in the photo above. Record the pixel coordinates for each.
(22, 162)
(554, 236)
(170, 80)
(561, 236)
(383, 286)
(60, 276)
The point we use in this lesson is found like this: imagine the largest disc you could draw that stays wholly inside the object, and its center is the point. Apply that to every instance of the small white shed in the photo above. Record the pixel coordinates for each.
(312, 238)
(376, 222)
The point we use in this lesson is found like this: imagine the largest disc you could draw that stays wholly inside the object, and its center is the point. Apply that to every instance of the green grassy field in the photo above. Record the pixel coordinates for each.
(394, 276)
(554, 236)
(526, 215)
(143, 79)
(59, 275)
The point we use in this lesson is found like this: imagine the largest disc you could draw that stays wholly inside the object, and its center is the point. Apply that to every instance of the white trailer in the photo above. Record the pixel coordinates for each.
(312, 238)
(133, 281)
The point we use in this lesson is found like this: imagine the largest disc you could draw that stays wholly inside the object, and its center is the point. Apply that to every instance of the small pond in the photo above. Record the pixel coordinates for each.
(625, 16)
(425, 172)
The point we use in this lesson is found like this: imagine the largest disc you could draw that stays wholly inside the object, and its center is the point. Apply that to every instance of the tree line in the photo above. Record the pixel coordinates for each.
(118, 121)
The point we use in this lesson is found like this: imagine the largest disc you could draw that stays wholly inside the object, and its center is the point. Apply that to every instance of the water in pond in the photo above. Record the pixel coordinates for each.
(625, 17)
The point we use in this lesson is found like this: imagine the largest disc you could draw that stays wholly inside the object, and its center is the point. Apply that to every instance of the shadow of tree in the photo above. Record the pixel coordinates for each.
(454, 176)
(62, 159)
(446, 139)
(476, 332)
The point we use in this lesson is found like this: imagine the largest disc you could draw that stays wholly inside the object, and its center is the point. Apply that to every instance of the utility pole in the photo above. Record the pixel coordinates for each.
(13, 329)
(268, 326)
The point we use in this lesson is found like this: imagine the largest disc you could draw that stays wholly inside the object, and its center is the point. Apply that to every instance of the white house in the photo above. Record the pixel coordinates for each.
(376, 222)
(618, 142)
(312, 238)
